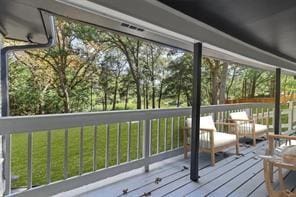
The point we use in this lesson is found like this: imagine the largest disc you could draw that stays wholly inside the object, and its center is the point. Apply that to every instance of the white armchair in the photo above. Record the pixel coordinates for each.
(211, 140)
(247, 127)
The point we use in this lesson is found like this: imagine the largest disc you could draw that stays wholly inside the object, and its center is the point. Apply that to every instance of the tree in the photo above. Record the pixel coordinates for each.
(218, 75)
(72, 59)
(179, 78)
(131, 49)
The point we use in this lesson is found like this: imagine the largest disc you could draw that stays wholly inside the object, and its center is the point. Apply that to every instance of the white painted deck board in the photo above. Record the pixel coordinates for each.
(209, 174)
(231, 176)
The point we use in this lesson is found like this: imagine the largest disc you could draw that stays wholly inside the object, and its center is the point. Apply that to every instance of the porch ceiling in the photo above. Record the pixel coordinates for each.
(267, 24)
(246, 32)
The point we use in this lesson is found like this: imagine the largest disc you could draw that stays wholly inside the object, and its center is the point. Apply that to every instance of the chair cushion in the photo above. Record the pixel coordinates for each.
(239, 116)
(220, 139)
(206, 122)
(247, 127)
(293, 142)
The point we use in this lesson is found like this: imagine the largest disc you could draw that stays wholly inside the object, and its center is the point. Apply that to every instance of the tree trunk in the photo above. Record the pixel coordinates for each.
(66, 100)
(160, 93)
(105, 101)
(178, 97)
(144, 96)
(147, 95)
(126, 96)
(153, 93)
(138, 92)
(214, 87)
(223, 80)
(253, 87)
(189, 99)
(115, 94)
(231, 83)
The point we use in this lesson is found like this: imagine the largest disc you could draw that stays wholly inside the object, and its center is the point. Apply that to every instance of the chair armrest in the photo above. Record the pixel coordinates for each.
(242, 120)
(206, 130)
(202, 129)
(272, 137)
(231, 127)
(226, 123)
(287, 137)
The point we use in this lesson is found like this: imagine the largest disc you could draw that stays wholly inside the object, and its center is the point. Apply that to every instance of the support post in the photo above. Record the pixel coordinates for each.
(196, 102)
(277, 105)
(4, 84)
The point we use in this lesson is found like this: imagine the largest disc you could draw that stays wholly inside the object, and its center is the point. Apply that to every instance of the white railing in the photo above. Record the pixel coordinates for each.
(156, 135)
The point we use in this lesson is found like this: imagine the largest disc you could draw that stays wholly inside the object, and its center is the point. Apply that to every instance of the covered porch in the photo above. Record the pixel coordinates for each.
(167, 173)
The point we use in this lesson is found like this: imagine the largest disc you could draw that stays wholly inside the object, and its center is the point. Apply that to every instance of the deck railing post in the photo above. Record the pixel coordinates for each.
(196, 104)
(146, 144)
(277, 106)
(5, 161)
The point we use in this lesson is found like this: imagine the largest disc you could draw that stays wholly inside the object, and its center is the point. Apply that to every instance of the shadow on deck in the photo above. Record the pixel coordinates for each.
(231, 176)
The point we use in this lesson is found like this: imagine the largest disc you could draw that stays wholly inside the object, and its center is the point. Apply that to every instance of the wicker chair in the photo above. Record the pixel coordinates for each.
(211, 140)
(275, 141)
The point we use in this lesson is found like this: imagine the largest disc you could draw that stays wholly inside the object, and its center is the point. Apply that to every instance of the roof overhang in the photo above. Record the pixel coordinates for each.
(166, 25)
(20, 21)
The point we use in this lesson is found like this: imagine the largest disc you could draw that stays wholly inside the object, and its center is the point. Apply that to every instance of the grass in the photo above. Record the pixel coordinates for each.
(19, 155)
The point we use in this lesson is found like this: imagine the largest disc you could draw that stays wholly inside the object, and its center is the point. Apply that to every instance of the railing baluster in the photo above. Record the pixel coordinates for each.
(7, 163)
(95, 148)
(158, 135)
(218, 120)
(184, 126)
(66, 154)
(138, 140)
(30, 146)
(118, 143)
(128, 141)
(178, 137)
(267, 119)
(262, 115)
(48, 165)
(81, 151)
(107, 146)
(165, 134)
(172, 134)
(150, 137)
(146, 144)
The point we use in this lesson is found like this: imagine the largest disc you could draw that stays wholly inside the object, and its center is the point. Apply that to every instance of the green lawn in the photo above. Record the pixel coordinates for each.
(20, 149)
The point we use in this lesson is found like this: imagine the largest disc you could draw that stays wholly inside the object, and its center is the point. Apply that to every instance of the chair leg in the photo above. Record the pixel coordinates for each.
(237, 148)
(185, 145)
(212, 158)
(270, 172)
(185, 151)
(254, 140)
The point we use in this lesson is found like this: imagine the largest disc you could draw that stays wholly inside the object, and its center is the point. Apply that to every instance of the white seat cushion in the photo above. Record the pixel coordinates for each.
(220, 139)
(247, 127)
(293, 142)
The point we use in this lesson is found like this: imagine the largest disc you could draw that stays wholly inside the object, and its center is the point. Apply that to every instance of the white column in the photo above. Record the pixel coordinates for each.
(1, 148)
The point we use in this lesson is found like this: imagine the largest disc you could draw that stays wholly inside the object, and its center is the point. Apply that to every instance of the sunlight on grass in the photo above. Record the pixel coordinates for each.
(19, 153)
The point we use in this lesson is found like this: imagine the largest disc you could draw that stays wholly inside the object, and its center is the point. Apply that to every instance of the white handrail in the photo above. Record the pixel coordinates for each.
(143, 119)
(16, 124)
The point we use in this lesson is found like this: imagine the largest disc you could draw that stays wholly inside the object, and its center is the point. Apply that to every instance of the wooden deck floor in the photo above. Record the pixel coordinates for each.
(231, 176)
